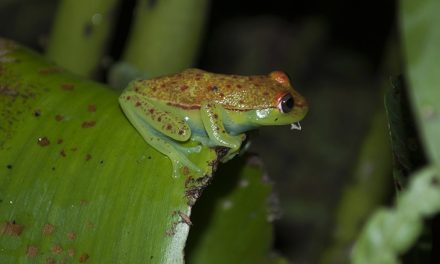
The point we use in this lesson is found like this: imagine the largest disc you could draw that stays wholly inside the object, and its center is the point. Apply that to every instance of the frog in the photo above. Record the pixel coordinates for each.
(213, 110)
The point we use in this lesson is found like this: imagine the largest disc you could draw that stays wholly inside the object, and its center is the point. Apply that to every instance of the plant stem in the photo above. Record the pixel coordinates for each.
(165, 35)
(79, 34)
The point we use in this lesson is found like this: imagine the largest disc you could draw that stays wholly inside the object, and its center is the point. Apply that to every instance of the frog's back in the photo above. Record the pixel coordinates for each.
(191, 87)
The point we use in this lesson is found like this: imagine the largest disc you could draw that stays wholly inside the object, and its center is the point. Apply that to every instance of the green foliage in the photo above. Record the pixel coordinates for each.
(80, 33)
(391, 232)
(234, 219)
(421, 42)
(165, 35)
(80, 184)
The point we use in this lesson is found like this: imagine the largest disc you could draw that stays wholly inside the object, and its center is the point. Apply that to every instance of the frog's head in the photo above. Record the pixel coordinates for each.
(287, 107)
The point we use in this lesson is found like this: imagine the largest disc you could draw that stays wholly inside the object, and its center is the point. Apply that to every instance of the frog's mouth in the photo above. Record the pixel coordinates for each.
(295, 126)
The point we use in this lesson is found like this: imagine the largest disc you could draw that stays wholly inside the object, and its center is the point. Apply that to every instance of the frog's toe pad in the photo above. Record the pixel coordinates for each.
(184, 167)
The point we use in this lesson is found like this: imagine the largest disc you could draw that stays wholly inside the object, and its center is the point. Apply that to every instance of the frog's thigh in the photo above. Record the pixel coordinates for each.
(212, 121)
(159, 141)
(169, 148)
(163, 121)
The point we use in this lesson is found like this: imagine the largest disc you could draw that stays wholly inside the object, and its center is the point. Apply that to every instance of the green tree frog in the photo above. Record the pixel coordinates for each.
(213, 109)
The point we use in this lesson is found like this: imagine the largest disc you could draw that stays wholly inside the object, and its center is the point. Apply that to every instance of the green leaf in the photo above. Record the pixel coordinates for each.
(80, 32)
(421, 41)
(165, 35)
(390, 232)
(407, 152)
(77, 182)
(232, 224)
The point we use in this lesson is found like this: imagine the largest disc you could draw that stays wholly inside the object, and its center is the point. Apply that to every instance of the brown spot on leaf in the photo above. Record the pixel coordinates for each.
(31, 251)
(68, 86)
(59, 141)
(59, 118)
(90, 225)
(91, 108)
(84, 257)
(37, 113)
(63, 153)
(138, 104)
(88, 124)
(50, 260)
(56, 249)
(49, 70)
(71, 235)
(5, 90)
(43, 141)
(9, 166)
(11, 228)
(71, 252)
(185, 218)
(169, 126)
(88, 157)
(88, 29)
(48, 229)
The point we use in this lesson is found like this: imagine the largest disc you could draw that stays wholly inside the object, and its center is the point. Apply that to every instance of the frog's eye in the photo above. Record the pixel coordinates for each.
(285, 103)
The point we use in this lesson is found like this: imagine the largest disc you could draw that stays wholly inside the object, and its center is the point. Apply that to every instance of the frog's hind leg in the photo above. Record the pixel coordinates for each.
(161, 142)
(166, 146)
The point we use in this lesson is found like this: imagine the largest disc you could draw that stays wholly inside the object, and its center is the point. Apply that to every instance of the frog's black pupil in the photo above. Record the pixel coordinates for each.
(287, 103)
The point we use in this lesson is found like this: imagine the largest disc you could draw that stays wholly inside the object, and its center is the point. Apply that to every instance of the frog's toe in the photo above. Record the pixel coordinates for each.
(190, 150)
(179, 165)
(231, 154)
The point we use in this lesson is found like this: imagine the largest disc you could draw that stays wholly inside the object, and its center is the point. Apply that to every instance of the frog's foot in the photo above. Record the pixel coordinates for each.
(181, 164)
(189, 150)
(231, 154)
(236, 149)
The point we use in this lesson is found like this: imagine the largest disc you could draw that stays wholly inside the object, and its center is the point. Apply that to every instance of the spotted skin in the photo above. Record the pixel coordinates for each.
(212, 109)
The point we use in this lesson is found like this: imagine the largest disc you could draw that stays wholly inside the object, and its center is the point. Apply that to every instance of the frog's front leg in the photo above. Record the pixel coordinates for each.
(212, 118)
(160, 129)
